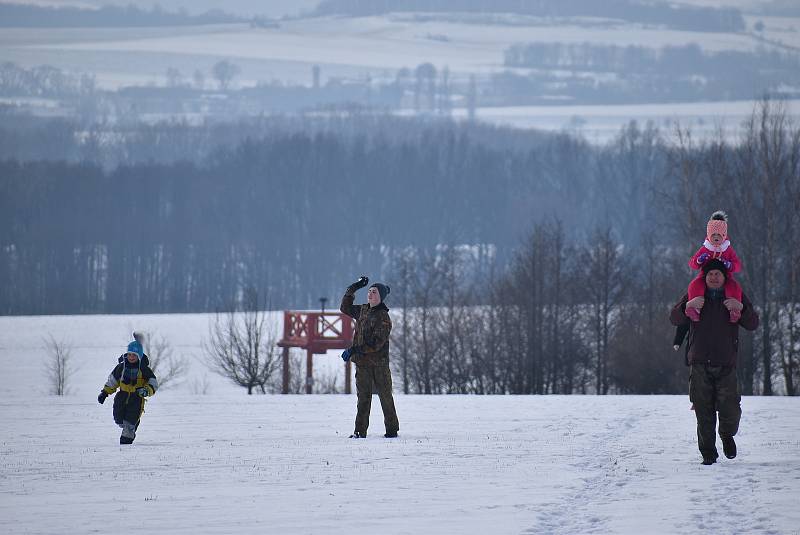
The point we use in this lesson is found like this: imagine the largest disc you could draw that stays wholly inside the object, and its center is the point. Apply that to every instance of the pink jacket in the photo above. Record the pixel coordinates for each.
(723, 252)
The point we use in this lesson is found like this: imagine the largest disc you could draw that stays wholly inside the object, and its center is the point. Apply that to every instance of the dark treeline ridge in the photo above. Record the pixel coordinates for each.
(670, 61)
(165, 219)
(34, 16)
(77, 94)
(676, 16)
(31, 138)
(642, 74)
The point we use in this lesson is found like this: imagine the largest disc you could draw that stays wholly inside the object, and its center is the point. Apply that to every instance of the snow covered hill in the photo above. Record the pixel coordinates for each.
(283, 464)
(232, 463)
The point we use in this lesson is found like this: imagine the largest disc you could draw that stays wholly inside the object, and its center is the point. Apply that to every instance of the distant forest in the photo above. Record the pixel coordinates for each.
(686, 60)
(36, 16)
(683, 17)
(645, 74)
(172, 217)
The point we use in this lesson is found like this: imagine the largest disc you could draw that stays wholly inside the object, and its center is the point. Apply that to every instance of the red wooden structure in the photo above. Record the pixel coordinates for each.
(316, 332)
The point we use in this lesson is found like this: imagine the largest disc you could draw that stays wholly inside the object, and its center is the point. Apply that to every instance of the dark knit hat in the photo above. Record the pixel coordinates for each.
(383, 290)
(715, 263)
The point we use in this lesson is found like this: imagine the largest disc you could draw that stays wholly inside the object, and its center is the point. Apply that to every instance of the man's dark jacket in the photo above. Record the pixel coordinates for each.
(714, 339)
(371, 337)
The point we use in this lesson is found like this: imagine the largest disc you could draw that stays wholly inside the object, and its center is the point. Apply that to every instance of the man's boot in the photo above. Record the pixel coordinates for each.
(729, 447)
(709, 459)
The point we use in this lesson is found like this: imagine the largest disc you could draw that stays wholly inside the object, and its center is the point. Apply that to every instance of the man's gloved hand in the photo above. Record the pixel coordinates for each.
(360, 283)
(102, 397)
(143, 392)
(728, 264)
(346, 354)
(702, 258)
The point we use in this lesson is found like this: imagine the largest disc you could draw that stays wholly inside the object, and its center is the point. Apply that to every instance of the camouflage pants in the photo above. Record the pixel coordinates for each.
(369, 380)
(714, 389)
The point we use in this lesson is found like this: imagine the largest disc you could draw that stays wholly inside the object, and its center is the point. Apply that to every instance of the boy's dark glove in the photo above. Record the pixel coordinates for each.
(702, 258)
(346, 354)
(727, 264)
(360, 283)
(142, 391)
(102, 397)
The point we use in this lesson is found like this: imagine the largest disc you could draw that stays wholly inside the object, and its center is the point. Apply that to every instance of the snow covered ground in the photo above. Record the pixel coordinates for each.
(227, 462)
(376, 47)
(602, 123)
(347, 47)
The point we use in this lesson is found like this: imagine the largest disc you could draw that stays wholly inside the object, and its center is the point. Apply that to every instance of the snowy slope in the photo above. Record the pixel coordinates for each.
(341, 46)
(226, 462)
(282, 464)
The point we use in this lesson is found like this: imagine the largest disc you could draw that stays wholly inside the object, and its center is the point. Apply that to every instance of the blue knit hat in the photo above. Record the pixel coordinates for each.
(135, 347)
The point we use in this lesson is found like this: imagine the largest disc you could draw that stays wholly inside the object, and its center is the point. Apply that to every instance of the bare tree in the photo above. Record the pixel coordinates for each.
(454, 322)
(225, 71)
(167, 367)
(199, 79)
(605, 274)
(200, 387)
(58, 365)
(241, 346)
(327, 383)
(423, 327)
(174, 77)
(404, 265)
(764, 175)
(297, 376)
(789, 329)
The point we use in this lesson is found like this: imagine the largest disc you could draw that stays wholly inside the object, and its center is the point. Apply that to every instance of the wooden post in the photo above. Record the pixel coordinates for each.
(285, 388)
(309, 371)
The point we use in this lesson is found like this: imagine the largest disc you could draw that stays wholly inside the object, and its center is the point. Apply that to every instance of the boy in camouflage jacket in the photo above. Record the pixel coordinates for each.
(370, 354)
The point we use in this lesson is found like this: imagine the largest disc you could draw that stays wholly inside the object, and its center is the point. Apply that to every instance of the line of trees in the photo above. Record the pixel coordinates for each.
(616, 74)
(292, 214)
(567, 315)
(683, 60)
(561, 318)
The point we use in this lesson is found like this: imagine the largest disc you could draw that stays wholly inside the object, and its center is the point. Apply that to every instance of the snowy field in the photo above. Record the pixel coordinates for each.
(601, 124)
(348, 47)
(231, 463)
(376, 47)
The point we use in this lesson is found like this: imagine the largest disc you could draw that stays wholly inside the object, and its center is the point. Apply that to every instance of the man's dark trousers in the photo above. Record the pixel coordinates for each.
(712, 389)
(377, 379)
